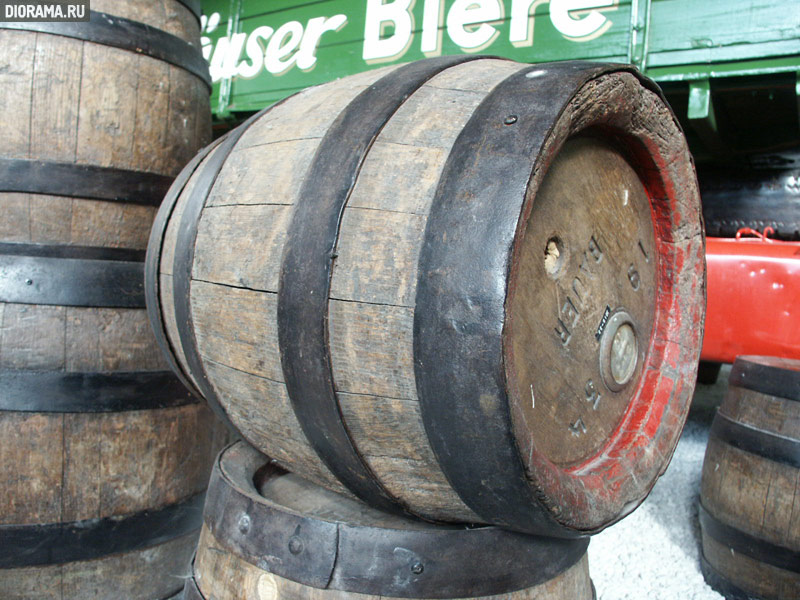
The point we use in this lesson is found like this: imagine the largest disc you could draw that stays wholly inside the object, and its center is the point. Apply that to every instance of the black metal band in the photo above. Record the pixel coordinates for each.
(767, 375)
(744, 543)
(58, 543)
(414, 562)
(153, 264)
(74, 252)
(461, 291)
(757, 441)
(82, 181)
(193, 6)
(71, 276)
(718, 583)
(184, 261)
(305, 276)
(56, 391)
(110, 30)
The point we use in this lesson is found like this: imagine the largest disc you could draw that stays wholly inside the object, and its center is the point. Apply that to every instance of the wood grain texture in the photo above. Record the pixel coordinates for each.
(753, 494)
(263, 405)
(244, 365)
(147, 574)
(238, 253)
(70, 467)
(223, 576)
(76, 102)
(77, 339)
(373, 287)
(370, 317)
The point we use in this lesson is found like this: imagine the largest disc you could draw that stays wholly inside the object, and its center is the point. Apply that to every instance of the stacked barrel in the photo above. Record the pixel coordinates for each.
(104, 455)
(749, 510)
(461, 290)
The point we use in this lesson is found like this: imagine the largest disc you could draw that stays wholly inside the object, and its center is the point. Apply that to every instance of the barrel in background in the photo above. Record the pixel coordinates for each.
(464, 288)
(271, 534)
(749, 512)
(104, 455)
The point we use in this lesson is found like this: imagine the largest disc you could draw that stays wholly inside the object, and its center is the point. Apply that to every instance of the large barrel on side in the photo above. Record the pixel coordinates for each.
(104, 455)
(269, 534)
(749, 509)
(465, 288)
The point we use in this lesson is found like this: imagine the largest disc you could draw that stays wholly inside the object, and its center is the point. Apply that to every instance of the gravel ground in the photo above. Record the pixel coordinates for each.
(653, 554)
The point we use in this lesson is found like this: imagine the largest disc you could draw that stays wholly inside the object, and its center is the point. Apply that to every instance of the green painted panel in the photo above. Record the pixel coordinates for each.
(263, 50)
(313, 42)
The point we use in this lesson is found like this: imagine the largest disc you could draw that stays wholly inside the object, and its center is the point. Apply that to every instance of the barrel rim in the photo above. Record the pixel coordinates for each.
(126, 34)
(607, 486)
(770, 375)
(460, 325)
(455, 561)
(153, 260)
(207, 171)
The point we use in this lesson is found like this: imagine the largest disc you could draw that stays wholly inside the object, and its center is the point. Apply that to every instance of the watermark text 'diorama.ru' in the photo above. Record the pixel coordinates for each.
(17, 11)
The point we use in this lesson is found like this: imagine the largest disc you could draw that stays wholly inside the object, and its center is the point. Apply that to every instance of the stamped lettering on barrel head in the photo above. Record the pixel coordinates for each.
(578, 294)
(587, 257)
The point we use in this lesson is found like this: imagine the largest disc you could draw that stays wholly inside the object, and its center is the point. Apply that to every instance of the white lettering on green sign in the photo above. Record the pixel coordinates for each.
(389, 32)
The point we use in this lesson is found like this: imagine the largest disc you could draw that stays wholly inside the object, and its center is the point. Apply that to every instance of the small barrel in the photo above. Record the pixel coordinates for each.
(270, 534)
(464, 288)
(749, 509)
(104, 454)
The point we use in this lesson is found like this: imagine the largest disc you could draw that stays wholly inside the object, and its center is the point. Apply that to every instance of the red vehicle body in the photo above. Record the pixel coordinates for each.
(753, 298)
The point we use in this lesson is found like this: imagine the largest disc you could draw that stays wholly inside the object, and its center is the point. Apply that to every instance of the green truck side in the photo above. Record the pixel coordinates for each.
(730, 69)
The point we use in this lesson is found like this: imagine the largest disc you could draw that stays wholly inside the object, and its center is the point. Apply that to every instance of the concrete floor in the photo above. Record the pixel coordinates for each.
(653, 554)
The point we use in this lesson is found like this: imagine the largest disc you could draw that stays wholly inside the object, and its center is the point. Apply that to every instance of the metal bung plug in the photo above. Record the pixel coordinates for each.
(619, 351)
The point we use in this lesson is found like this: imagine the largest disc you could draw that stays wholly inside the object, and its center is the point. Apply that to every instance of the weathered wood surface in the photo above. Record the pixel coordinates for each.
(70, 338)
(74, 102)
(753, 494)
(239, 249)
(71, 467)
(71, 101)
(250, 560)
(222, 575)
(153, 573)
(372, 353)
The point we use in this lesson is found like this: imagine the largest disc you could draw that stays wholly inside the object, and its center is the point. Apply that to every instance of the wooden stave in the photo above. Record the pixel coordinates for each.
(60, 134)
(228, 545)
(123, 575)
(750, 547)
(456, 510)
(104, 346)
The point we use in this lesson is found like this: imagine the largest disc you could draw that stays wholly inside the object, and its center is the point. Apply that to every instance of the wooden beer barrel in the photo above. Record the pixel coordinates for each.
(270, 534)
(465, 288)
(749, 510)
(104, 455)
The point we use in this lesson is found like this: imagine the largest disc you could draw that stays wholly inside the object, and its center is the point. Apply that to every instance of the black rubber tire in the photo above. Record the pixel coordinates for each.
(736, 197)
